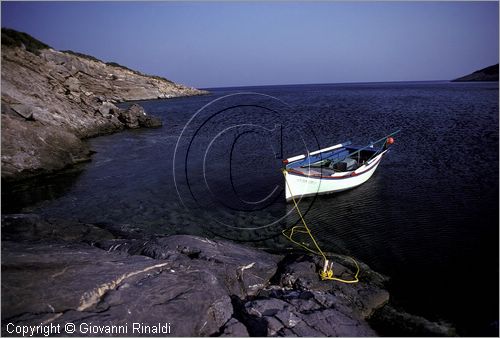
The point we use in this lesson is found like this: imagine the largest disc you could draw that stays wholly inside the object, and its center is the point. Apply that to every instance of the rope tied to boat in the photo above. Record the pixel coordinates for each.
(327, 273)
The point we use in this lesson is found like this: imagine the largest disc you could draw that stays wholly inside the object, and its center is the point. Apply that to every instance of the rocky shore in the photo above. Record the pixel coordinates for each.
(111, 276)
(52, 100)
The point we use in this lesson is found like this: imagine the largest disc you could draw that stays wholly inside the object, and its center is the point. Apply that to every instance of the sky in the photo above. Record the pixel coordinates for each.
(223, 44)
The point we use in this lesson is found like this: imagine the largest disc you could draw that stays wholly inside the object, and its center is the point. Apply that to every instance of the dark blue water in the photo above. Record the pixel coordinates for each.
(428, 218)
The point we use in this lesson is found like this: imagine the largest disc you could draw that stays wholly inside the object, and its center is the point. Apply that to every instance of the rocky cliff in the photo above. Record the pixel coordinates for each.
(51, 100)
(486, 74)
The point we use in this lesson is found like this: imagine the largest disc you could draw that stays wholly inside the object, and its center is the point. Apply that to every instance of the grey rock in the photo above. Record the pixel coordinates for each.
(276, 317)
(331, 322)
(364, 297)
(245, 271)
(265, 307)
(79, 283)
(108, 108)
(234, 328)
(273, 326)
(30, 113)
(63, 92)
(289, 319)
(72, 84)
(135, 116)
(7, 110)
(130, 117)
(136, 110)
(31, 147)
(149, 121)
(24, 111)
(307, 306)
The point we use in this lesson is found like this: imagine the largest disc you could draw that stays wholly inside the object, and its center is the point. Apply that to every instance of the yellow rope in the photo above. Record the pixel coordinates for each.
(327, 272)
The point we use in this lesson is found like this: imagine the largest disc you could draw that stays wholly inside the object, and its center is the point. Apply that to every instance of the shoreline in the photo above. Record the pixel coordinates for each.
(100, 133)
(52, 101)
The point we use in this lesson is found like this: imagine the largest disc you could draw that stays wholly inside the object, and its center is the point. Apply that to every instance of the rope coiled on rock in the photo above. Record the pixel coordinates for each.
(327, 272)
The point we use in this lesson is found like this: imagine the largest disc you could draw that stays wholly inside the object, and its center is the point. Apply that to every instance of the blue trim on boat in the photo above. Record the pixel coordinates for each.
(319, 177)
(334, 155)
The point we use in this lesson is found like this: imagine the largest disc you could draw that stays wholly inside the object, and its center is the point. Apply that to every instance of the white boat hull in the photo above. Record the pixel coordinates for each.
(306, 184)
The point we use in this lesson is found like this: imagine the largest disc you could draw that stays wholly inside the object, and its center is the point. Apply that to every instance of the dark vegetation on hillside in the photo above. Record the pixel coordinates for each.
(11, 37)
(486, 74)
(491, 70)
(117, 65)
(85, 56)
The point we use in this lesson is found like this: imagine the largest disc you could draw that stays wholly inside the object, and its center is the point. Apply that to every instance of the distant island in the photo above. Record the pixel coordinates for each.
(486, 74)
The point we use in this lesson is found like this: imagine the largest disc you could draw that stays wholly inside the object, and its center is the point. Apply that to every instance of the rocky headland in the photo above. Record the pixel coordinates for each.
(486, 74)
(56, 272)
(52, 100)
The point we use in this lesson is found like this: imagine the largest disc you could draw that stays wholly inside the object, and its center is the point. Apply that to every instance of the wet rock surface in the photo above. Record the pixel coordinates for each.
(52, 100)
(56, 271)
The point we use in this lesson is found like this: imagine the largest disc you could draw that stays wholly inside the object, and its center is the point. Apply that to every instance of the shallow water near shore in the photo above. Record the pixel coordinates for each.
(428, 218)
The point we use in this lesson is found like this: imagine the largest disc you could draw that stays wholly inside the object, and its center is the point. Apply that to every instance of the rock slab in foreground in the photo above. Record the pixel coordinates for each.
(51, 274)
(55, 271)
(242, 270)
(80, 284)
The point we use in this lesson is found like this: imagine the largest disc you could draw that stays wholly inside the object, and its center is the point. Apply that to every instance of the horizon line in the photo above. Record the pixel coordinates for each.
(326, 83)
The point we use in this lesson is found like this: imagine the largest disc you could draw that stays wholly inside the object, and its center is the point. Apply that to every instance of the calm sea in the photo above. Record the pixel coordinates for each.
(428, 218)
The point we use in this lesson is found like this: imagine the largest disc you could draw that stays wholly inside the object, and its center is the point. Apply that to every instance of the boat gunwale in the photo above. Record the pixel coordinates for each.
(369, 166)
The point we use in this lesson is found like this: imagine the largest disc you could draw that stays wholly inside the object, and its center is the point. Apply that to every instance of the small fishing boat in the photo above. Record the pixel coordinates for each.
(333, 169)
